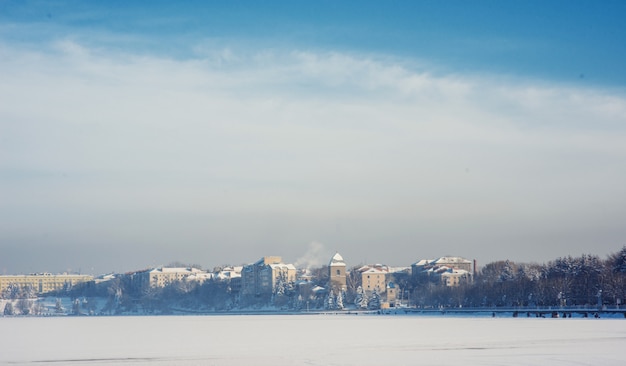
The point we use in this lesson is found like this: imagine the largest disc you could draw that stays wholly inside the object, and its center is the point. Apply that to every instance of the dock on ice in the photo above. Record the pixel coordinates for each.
(543, 312)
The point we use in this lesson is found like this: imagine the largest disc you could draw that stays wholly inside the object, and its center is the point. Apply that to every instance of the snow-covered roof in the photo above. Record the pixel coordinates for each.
(199, 276)
(424, 262)
(442, 260)
(282, 266)
(383, 268)
(229, 273)
(452, 260)
(318, 289)
(374, 270)
(176, 270)
(337, 260)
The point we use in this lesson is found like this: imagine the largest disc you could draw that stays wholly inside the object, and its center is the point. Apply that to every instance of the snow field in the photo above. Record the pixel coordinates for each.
(311, 340)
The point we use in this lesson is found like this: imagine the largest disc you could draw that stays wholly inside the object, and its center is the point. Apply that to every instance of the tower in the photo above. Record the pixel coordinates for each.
(337, 273)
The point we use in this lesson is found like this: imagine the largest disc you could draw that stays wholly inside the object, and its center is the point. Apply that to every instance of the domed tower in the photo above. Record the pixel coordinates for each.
(337, 272)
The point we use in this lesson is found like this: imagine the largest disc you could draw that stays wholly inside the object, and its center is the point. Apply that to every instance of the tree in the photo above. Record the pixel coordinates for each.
(76, 307)
(353, 282)
(360, 300)
(23, 305)
(12, 291)
(339, 300)
(320, 276)
(38, 308)
(618, 261)
(374, 302)
(358, 297)
(506, 273)
(8, 309)
(58, 307)
(614, 278)
(330, 301)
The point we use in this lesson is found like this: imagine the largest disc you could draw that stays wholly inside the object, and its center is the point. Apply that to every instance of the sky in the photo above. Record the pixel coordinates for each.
(212, 133)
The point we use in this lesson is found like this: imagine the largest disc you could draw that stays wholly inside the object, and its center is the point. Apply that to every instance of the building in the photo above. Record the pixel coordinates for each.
(231, 275)
(228, 273)
(391, 296)
(450, 271)
(455, 277)
(41, 283)
(163, 276)
(374, 278)
(448, 262)
(265, 275)
(455, 263)
(337, 273)
(381, 279)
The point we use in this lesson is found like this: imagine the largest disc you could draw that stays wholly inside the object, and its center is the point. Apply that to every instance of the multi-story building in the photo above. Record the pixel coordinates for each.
(374, 278)
(41, 283)
(381, 279)
(231, 275)
(455, 277)
(263, 276)
(451, 271)
(163, 276)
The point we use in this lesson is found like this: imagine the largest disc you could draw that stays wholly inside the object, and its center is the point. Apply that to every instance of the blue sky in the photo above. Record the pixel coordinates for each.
(134, 135)
(557, 39)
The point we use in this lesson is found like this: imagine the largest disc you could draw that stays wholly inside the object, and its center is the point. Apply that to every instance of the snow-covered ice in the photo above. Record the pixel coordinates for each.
(311, 340)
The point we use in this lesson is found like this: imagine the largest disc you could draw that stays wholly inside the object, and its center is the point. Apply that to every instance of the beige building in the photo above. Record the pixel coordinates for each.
(455, 263)
(452, 271)
(381, 278)
(42, 283)
(374, 279)
(455, 277)
(337, 273)
(163, 276)
(263, 276)
(449, 262)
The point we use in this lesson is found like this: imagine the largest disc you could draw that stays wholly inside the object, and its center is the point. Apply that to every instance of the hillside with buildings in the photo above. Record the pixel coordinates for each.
(269, 284)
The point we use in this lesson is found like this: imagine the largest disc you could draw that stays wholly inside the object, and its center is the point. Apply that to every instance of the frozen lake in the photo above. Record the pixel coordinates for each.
(311, 340)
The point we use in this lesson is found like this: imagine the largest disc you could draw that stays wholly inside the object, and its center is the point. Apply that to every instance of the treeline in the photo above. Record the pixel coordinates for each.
(568, 281)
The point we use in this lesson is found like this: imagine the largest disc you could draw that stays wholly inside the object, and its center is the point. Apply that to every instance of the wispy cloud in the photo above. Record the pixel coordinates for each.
(315, 135)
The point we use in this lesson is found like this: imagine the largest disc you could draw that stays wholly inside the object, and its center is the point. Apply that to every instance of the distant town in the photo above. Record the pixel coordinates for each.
(269, 284)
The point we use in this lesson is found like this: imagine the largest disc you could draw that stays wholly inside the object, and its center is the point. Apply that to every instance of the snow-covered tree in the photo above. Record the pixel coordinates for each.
(58, 306)
(281, 284)
(339, 300)
(12, 291)
(507, 273)
(374, 302)
(38, 308)
(361, 299)
(23, 305)
(76, 307)
(358, 297)
(330, 302)
(618, 261)
(364, 300)
(8, 309)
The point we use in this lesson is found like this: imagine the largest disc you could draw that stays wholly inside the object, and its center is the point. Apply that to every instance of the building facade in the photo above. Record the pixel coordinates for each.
(337, 273)
(374, 279)
(265, 275)
(41, 283)
(163, 276)
(451, 271)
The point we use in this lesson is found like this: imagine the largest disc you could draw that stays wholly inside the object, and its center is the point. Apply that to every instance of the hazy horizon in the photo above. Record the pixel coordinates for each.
(133, 136)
